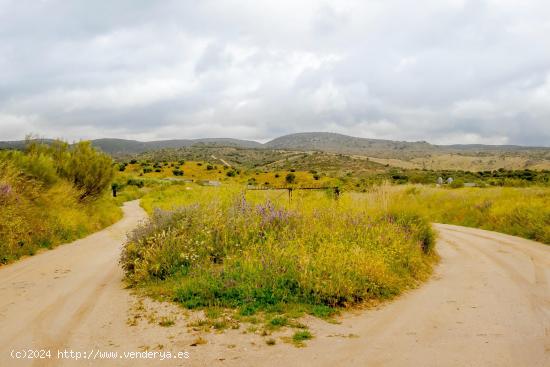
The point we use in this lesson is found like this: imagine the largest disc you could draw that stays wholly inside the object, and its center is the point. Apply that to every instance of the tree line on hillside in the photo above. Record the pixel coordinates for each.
(499, 177)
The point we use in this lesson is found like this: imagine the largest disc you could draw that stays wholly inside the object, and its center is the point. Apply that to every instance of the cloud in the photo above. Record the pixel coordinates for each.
(455, 71)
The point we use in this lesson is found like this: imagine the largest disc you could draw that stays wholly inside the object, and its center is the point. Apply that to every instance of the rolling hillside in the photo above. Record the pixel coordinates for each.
(387, 152)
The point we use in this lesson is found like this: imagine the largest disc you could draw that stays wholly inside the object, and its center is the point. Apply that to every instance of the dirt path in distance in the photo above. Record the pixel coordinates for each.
(488, 304)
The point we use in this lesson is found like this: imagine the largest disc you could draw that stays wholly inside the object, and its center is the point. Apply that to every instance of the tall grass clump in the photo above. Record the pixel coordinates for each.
(50, 195)
(523, 212)
(221, 247)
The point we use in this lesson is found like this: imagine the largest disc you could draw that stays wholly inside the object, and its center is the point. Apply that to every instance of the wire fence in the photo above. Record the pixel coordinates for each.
(290, 189)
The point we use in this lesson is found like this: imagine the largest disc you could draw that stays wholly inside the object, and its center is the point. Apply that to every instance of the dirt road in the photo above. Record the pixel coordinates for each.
(49, 300)
(222, 160)
(488, 304)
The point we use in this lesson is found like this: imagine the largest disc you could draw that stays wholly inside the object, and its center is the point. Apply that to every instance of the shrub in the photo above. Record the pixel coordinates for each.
(135, 182)
(457, 184)
(37, 164)
(89, 170)
(290, 178)
(42, 204)
(177, 172)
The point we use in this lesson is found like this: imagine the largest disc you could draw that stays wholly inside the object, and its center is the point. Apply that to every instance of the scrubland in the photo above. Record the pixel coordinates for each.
(51, 195)
(256, 252)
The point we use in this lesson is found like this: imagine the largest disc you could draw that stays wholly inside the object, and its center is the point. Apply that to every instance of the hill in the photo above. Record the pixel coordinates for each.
(121, 146)
(338, 143)
(124, 146)
(474, 157)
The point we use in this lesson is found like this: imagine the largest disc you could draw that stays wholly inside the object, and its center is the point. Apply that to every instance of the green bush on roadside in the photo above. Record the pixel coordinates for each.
(52, 194)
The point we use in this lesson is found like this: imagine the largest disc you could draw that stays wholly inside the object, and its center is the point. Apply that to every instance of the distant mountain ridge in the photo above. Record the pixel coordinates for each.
(124, 146)
(307, 141)
(133, 146)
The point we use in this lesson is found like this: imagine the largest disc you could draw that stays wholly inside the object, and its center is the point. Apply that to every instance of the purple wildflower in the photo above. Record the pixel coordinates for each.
(242, 205)
(5, 189)
(271, 215)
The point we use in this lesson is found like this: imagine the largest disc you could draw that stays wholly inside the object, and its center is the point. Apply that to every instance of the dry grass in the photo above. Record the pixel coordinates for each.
(523, 212)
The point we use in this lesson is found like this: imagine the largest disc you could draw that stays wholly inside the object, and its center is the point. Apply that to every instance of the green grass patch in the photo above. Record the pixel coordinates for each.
(300, 337)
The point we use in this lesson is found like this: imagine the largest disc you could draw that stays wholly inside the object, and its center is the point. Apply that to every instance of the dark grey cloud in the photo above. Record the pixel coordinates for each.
(454, 71)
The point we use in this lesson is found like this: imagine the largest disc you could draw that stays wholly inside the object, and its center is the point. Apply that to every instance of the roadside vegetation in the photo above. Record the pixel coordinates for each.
(51, 194)
(523, 212)
(259, 255)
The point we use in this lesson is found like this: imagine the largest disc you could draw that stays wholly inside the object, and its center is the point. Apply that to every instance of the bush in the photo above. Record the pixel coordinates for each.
(290, 178)
(37, 164)
(89, 170)
(41, 196)
(456, 184)
(135, 182)
(177, 172)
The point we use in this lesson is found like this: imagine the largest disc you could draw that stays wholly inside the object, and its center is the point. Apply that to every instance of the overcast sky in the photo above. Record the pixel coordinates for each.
(445, 71)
